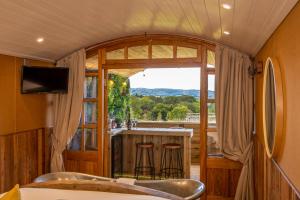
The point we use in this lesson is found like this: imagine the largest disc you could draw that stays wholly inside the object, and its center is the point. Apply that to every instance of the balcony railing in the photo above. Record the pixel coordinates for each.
(195, 117)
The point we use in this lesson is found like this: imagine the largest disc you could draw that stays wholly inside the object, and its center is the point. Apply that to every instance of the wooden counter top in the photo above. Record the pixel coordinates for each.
(153, 131)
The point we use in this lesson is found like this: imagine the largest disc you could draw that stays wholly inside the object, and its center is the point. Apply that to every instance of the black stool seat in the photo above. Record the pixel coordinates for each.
(142, 168)
(172, 146)
(145, 145)
(171, 161)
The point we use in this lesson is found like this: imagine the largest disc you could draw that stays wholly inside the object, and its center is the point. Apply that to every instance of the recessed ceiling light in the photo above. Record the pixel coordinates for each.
(40, 40)
(226, 32)
(226, 6)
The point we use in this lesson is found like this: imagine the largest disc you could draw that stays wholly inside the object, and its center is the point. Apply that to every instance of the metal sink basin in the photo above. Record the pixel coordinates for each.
(187, 189)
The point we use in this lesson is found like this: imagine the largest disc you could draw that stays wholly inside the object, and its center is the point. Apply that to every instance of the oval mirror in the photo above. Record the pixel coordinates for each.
(273, 117)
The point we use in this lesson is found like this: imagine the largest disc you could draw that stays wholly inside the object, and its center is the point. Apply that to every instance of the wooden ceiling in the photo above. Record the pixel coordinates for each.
(72, 24)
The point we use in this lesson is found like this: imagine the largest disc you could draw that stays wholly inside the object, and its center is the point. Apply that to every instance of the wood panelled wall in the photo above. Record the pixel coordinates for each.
(270, 176)
(270, 181)
(84, 162)
(23, 140)
(222, 178)
(284, 45)
(23, 157)
(21, 112)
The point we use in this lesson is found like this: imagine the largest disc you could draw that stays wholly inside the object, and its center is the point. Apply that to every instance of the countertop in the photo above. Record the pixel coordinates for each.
(153, 131)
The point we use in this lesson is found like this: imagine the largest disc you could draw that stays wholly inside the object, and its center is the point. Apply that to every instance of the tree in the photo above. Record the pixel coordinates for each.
(136, 110)
(160, 112)
(157, 108)
(118, 97)
(178, 113)
(194, 107)
(146, 104)
(186, 98)
(171, 100)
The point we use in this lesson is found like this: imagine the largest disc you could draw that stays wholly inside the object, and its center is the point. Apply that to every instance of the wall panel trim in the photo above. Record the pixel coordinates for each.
(284, 175)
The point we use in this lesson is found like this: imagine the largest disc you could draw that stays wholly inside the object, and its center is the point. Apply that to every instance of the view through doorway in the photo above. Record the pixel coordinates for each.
(157, 98)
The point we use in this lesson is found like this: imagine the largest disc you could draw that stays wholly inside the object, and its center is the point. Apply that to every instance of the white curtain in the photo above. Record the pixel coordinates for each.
(234, 109)
(67, 108)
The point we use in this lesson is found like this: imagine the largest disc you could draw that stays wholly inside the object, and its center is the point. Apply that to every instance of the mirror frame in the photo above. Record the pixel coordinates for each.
(280, 108)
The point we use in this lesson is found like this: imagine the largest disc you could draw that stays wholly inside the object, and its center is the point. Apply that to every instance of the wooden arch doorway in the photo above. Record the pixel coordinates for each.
(152, 51)
(158, 51)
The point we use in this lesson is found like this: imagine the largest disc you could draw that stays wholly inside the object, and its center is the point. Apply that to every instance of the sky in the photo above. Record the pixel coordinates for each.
(175, 78)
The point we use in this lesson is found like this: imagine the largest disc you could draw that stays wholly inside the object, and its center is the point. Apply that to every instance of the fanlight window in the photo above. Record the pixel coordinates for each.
(117, 54)
(92, 63)
(162, 51)
(159, 51)
(138, 52)
(186, 52)
(210, 59)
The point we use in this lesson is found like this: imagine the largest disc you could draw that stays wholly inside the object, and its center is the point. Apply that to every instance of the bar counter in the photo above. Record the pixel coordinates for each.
(123, 147)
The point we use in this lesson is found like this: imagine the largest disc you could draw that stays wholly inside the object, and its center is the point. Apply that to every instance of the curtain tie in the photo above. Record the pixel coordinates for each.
(247, 154)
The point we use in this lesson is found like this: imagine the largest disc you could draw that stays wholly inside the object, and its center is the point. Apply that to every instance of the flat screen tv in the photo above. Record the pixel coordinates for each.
(44, 79)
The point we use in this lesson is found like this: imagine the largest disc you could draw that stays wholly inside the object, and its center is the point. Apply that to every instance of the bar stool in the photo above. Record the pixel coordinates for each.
(171, 161)
(140, 166)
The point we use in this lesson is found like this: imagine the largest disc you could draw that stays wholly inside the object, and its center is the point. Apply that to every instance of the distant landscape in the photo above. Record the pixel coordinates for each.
(159, 104)
(163, 92)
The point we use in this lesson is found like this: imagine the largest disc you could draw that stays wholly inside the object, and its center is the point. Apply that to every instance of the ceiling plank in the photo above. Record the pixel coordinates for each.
(72, 24)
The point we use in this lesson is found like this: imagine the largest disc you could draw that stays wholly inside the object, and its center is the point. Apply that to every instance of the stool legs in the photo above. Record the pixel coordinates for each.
(180, 164)
(171, 165)
(136, 162)
(140, 168)
(162, 163)
(152, 164)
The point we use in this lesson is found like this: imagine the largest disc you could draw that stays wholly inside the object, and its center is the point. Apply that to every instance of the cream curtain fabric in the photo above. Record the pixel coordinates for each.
(234, 109)
(67, 108)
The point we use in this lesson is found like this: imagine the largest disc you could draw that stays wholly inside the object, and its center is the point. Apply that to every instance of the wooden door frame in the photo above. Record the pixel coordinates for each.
(203, 119)
(105, 128)
(104, 65)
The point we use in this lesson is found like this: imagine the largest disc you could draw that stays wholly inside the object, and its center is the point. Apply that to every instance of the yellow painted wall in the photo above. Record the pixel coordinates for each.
(284, 44)
(20, 112)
